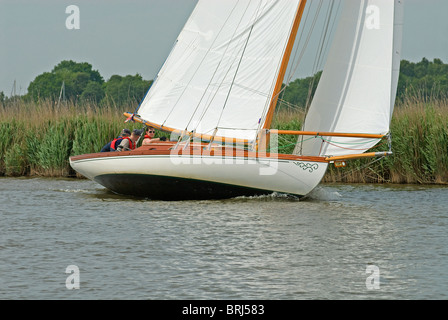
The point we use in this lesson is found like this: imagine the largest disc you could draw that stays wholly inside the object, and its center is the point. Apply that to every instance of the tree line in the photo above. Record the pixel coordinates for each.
(79, 83)
(425, 80)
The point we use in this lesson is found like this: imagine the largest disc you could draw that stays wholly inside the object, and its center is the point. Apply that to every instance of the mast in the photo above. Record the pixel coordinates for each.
(278, 85)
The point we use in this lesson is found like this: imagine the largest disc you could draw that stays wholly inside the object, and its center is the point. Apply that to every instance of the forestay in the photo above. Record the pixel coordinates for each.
(356, 92)
(222, 70)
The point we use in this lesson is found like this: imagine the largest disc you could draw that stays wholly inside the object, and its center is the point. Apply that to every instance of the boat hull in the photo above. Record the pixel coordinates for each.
(168, 176)
(173, 188)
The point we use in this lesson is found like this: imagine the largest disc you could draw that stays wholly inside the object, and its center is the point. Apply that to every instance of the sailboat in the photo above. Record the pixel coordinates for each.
(216, 95)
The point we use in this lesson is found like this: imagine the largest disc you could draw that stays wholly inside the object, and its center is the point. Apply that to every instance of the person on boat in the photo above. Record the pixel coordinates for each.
(149, 136)
(129, 143)
(112, 145)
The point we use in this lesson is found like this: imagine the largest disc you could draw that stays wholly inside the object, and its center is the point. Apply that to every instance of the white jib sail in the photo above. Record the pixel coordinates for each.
(222, 70)
(356, 92)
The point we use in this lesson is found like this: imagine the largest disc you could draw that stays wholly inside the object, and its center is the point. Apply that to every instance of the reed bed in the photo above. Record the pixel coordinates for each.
(419, 131)
(37, 139)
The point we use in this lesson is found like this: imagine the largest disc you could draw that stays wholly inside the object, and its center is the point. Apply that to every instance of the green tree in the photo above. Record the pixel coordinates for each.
(424, 79)
(297, 92)
(79, 67)
(46, 85)
(93, 92)
(2, 98)
(125, 90)
(75, 77)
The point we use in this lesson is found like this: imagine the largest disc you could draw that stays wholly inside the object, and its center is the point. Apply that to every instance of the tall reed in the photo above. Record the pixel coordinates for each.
(39, 138)
(419, 130)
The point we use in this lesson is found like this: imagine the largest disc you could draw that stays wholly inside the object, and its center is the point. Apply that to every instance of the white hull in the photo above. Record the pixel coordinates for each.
(172, 176)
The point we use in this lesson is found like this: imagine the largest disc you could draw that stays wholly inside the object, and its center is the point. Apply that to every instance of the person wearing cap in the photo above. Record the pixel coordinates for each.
(112, 146)
(129, 143)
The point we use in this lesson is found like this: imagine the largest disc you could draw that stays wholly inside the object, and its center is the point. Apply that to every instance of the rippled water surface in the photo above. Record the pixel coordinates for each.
(246, 248)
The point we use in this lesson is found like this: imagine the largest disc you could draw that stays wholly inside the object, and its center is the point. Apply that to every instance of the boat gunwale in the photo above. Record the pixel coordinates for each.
(165, 149)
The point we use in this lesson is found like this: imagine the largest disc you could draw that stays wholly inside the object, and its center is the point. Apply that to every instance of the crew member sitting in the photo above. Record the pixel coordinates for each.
(149, 136)
(112, 146)
(129, 143)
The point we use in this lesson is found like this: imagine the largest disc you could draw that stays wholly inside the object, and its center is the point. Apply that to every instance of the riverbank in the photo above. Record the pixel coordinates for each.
(37, 139)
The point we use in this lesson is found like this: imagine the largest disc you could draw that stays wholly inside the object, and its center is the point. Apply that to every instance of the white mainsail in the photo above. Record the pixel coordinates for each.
(220, 76)
(356, 92)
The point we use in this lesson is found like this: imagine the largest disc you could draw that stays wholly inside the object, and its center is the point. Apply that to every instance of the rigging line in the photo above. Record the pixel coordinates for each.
(233, 128)
(363, 167)
(299, 40)
(351, 143)
(335, 145)
(162, 68)
(297, 59)
(236, 72)
(323, 43)
(160, 75)
(302, 51)
(217, 67)
(323, 38)
(287, 104)
(187, 84)
(354, 51)
(288, 145)
(333, 25)
(255, 20)
(272, 93)
(211, 98)
(291, 73)
(260, 93)
(316, 63)
(307, 40)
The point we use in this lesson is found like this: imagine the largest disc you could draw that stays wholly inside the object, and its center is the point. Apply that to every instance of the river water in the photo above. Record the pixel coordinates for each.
(344, 242)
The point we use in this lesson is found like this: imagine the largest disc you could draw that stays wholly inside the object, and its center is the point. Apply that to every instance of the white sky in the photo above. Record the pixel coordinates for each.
(135, 36)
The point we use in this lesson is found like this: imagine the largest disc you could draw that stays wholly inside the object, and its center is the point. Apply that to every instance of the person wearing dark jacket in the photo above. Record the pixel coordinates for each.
(112, 146)
(129, 143)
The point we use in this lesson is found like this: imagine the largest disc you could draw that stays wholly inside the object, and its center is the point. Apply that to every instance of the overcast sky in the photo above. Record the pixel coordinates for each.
(135, 36)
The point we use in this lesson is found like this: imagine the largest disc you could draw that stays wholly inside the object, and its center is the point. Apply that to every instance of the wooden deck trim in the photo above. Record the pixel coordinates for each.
(164, 148)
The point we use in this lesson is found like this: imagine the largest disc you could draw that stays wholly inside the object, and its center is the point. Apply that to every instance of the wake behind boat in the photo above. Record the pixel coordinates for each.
(218, 90)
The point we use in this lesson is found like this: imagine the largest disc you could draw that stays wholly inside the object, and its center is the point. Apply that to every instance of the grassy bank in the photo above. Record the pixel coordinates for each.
(37, 140)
